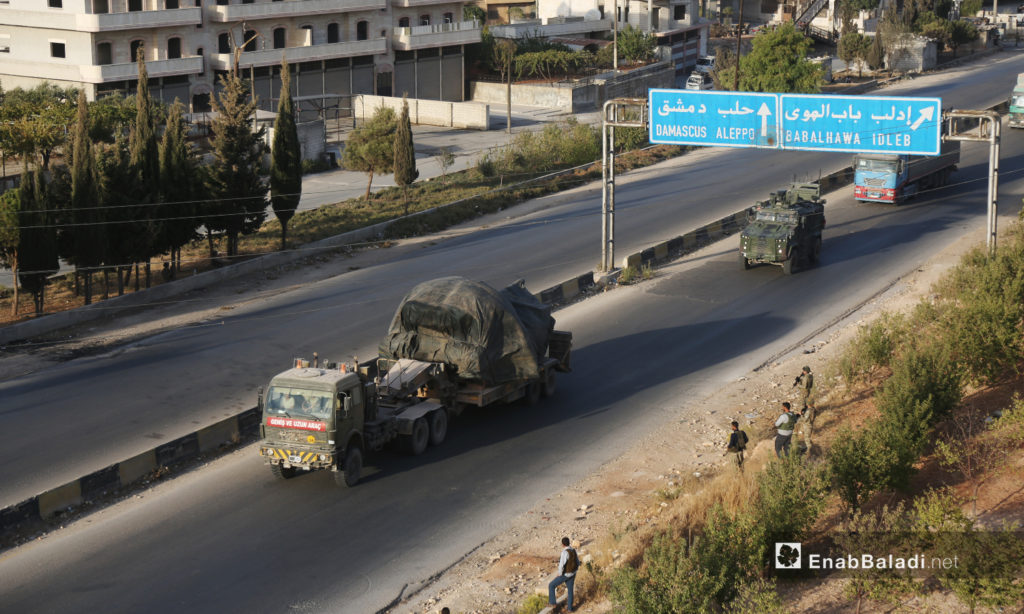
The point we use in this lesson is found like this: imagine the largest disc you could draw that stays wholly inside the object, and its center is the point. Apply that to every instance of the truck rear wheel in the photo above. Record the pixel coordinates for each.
(816, 251)
(416, 443)
(790, 264)
(549, 384)
(282, 473)
(438, 423)
(353, 469)
(533, 390)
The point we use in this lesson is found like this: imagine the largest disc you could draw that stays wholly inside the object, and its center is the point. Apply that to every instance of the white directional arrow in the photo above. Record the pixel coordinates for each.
(764, 112)
(927, 114)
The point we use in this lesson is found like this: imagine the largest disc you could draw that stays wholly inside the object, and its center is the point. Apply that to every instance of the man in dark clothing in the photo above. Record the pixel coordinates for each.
(737, 444)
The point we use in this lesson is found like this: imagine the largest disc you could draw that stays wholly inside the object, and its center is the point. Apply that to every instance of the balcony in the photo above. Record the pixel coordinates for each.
(136, 20)
(442, 34)
(409, 3)
(289, 8)
(552, 27)
(155, 68)
(312, 53)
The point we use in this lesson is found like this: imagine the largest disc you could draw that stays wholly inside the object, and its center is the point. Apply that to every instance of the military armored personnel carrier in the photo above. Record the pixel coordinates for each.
(786, 229)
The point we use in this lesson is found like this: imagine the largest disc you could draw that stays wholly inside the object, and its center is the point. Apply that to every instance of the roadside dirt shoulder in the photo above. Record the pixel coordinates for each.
(675, 461)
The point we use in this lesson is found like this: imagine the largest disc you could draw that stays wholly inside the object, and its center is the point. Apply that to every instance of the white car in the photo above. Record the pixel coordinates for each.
(705, 64)
(699, 81)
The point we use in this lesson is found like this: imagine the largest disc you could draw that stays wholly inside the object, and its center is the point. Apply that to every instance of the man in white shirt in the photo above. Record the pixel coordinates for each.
(784, 425)
(568, 565)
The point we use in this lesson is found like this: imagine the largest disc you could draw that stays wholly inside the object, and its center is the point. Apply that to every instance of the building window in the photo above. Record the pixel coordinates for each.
(424, 20)
(362, 31)
(332, 33)
(449, 17)
(171, 4)
(104, 55)
(403, 22)
(280, 35)
(57, 50)
(55, 4)
(250, 40)
(222, 2)
(679, 11)
(199, 52)
(100, 6)
(134, 48)
(173, 48)
(134, 5)
(247, 1)
(223, 43)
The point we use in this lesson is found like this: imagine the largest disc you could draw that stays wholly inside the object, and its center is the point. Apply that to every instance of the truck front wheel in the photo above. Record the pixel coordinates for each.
(282, 473)
(790, 264)
(744, 261)
(549, 384)
(416, 442)
(353, 469)
(438, 422)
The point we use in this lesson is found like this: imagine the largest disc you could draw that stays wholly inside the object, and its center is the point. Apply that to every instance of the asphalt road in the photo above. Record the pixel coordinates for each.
(230, 537)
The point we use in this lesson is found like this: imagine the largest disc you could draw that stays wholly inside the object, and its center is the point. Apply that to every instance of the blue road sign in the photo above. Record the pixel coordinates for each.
(723, 119)
(883, 124)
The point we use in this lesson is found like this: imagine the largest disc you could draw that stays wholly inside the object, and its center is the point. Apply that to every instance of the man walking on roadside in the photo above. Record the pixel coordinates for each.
(784, 426)
(737, 444)
(568, 564)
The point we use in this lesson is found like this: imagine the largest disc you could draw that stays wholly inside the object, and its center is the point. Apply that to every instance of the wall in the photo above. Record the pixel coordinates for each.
(472, 115)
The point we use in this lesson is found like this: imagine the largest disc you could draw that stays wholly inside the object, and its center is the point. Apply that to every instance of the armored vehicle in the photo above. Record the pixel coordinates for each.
(786, 229)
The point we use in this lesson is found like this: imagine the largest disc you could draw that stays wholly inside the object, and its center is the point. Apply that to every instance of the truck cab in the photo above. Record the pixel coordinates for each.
(700, 81)
(705, 64)
(313, 418)
(876, 176)
(1016, 119)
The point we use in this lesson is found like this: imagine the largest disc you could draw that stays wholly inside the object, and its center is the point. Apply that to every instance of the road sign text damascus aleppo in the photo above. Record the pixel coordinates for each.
(885, 124)
(722, 119)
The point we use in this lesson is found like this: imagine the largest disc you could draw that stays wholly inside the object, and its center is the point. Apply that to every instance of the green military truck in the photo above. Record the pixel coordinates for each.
(452, 344)
(785, 229)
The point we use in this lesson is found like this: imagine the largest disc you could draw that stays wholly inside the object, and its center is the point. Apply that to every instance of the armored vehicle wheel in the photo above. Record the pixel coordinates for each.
(416, 443)
(549, 384)
(533, 390)
(353, 469)
(816, 251)
(744, 262)
(790, 265)
(438, 422)
(282, 473)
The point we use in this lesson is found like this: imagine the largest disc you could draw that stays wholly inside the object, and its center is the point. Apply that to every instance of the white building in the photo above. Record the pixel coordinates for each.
(333, 47)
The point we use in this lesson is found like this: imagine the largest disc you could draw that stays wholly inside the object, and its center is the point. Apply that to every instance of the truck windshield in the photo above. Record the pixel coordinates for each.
(1017, 101)
(295, 402)
(774, 215)
(867, 164)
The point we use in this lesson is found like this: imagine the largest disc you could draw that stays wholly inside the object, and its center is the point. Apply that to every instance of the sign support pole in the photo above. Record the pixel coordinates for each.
(989, 129)
(624, 113)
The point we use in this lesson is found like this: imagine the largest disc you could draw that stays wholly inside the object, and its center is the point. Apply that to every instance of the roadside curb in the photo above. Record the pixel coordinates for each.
(145, 465)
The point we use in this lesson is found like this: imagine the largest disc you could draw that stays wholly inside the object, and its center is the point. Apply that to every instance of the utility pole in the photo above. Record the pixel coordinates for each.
(988, 130)
(739, 42)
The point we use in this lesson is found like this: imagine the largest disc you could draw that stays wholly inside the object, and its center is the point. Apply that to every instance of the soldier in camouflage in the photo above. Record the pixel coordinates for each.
(806, 383)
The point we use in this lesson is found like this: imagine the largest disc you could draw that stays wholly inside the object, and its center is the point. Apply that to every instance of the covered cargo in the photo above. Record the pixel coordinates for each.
(485, 335)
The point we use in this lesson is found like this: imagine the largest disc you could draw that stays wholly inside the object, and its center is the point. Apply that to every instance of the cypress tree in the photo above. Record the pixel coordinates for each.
(234, 179)
(10, 236)
(38, 238)
(405, 155)
(84, 243)
(178, 170)
(144, 157)
(285, 159)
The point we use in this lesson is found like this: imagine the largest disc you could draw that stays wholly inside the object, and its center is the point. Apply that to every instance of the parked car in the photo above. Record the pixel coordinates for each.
(705, 64)
(700, 81)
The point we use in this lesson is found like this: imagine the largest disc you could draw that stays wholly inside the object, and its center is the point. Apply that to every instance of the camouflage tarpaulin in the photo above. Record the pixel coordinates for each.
(492, 336)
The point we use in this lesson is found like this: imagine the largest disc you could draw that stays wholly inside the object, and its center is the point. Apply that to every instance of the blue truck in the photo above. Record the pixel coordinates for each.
(893, 178)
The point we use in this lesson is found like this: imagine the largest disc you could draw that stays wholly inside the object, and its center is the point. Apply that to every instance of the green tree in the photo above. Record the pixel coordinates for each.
(791, 494)
(471, 12)
(37, 120)
(405, 154)
(635, 45)
(961, 33)
(10, 237)
(235, 180)
(369, 147)
(144, 157)
(111, 116)
(180, 176)
(778, 63)
(115, 172)
(859, 466)
(85, 236)
(445, 159)
(285, 159)
(38, 239)
(876, 54)
(853, 49)
(879, 533)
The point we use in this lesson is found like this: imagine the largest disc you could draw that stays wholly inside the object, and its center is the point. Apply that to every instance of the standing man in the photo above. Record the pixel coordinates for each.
(568, 564)
(737, 444)
(784, 427)
(806, 382)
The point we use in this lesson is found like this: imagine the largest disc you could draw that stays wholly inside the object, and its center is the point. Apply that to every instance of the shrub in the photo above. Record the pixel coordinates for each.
(858, 466)
(757, 597)
(533, 604)
(315, 166)
(922, 374)
(791, 495)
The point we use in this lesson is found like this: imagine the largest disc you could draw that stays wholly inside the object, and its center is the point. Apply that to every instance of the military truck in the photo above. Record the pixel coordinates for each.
(785, 229)
(1016, 109)
(452, 344)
